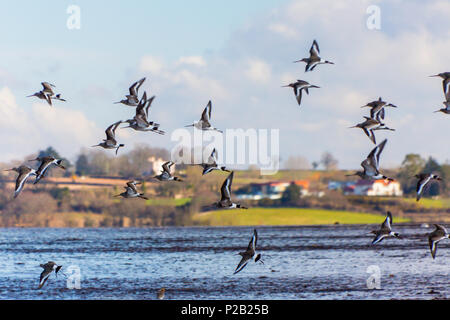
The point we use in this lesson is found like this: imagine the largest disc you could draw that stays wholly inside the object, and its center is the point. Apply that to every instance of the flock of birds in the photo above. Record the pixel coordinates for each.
(142, 122)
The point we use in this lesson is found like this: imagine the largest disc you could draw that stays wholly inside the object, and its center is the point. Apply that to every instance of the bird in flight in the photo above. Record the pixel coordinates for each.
(385, 230)
(371, 165)
(140, 121)
(204, 122)
(46, 162)
(211, 164)
(249, 254)
(377, 110)
(165, 174)
(368, 126)
(131, 191)
(24, 172)
(298, 87)
(225, 202)
(445, 81)
(110, 142)
(423, 182)
(47, 93)
(434, 237)
(314, 59)
(132, 99)
(49, 267)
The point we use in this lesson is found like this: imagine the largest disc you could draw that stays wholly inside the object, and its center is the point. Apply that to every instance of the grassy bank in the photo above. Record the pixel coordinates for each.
(286, 216)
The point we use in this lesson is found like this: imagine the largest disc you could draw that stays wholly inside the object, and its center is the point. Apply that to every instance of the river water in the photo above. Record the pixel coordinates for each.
(322, 262)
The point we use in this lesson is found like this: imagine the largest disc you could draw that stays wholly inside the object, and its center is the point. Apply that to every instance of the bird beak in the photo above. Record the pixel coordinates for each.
(436, 75)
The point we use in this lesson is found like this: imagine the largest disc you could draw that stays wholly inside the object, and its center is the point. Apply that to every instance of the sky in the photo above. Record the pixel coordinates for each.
(237, 54)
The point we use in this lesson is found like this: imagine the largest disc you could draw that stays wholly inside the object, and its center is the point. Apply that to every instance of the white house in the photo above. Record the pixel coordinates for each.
(375, 188)
(156, 164)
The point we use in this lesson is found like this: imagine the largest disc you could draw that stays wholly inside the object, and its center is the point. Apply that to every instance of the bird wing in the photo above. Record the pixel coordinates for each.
(314, 51)
(111, 130)
(433, 247)
(141, 105)
(445, 86)
(47, 87)
(378, 149)
(166, 166)
(440, 228)
(132, 185)
(370, 134)
(368, 167)
(212, 158)
(242, 264)
(48, 98)
(298, 95)
(386, 225)
(44, 275)
(20, 181)
(132, 89)
(226, 187)
(45, 164)
(206, 115)
(253, 241)
(421, 184)
(378, 238)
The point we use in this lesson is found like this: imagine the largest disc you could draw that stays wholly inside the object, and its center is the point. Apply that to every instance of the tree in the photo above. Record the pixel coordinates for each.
(296, 163)
(50, 151)
(329, 162)
(432, 166)
(82, 165)
(315, 165)
(411, 165)
(291, 194)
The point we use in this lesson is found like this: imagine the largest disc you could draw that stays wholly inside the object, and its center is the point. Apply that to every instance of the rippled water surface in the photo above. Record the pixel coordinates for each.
(328, 262)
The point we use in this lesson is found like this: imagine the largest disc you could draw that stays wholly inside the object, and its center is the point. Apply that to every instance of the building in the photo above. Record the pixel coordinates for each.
(271, 190)
(156, 165)
(374, 188)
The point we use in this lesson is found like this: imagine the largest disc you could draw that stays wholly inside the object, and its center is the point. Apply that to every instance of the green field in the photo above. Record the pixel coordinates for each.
(167, 202)
(286, 216)
(430, 203)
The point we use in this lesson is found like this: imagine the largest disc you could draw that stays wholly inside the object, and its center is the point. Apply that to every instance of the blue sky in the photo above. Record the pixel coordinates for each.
(236, 53)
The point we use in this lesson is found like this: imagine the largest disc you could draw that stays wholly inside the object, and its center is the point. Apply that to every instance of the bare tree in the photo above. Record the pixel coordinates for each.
(297, 163)
(329, 162)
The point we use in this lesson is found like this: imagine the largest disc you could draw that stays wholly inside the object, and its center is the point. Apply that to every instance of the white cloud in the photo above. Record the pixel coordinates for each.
(66, 129)
(258, 71)
(282, 29)
(193, 60)
(151, 64)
